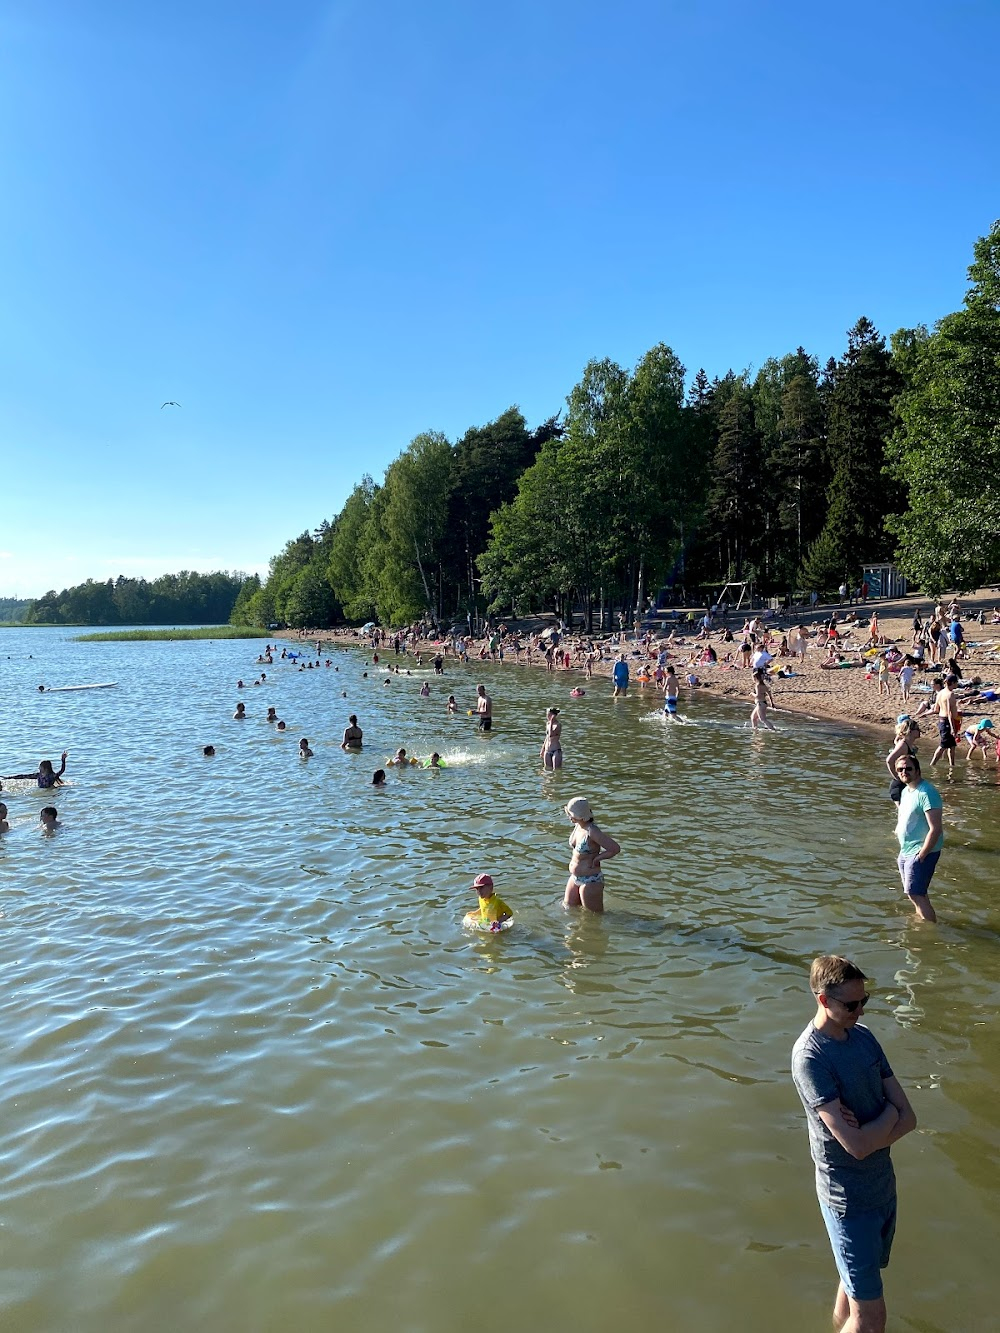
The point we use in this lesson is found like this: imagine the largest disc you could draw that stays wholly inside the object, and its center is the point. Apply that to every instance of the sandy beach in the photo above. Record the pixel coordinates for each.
(848, 693)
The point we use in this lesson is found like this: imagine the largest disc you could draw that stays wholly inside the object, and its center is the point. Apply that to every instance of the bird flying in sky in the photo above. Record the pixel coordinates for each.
(170, 403)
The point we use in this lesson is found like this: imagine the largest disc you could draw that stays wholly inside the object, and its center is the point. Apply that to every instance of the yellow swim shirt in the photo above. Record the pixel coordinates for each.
(492, 908)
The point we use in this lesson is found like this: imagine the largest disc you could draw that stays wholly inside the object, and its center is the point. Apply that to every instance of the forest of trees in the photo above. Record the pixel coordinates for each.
(173, 599)
(12, 610)
(791, 478)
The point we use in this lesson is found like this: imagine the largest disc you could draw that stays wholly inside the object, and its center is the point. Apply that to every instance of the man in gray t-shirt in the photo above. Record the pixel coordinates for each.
(856, 1110)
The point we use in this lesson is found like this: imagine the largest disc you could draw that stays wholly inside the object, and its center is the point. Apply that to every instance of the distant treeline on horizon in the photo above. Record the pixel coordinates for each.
(792, 478)
(12, 609)
(186, 598)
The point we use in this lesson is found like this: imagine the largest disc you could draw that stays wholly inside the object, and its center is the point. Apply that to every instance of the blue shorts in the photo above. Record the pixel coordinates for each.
(861, 1244)
(671, 705)
(917, 875)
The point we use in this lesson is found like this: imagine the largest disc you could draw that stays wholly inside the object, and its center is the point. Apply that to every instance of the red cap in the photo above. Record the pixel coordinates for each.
(483, 882)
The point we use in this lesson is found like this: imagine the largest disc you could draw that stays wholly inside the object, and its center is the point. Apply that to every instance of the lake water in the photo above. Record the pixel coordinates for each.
(259, 1078)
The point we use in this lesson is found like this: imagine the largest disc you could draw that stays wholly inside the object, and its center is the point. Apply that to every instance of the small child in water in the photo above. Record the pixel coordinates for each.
(4, 826)
(452, 705)
(492, 909)
(49, 817)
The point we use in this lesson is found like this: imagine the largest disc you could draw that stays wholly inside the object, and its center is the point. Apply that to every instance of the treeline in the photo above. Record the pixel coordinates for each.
(12, 610)
(186, 598)
(792, 478)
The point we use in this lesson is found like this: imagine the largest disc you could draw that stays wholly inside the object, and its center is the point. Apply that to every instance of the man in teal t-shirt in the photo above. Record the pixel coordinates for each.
(918, 829)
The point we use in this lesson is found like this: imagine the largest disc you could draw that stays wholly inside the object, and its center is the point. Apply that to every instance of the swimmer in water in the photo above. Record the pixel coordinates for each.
(589, 847)
(435, 761)
(378, 778)
(4, 826)
(425, 691)
(353, 735)
(400, 759)
(492, 909)
(49, 818)
(208, 751)
(281, 726)
(304, 750)
(45, 777)
(452, 705)
(240, 685)
(272, 715)
(241, 713)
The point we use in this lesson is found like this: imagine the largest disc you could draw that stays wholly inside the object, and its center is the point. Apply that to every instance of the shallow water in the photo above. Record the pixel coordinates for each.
(258, 1077)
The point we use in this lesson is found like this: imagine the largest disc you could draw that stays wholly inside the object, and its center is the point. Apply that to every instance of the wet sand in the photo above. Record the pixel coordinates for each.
(847, 693)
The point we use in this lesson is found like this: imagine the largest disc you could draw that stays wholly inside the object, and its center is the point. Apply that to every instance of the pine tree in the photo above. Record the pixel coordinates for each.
(860, 393)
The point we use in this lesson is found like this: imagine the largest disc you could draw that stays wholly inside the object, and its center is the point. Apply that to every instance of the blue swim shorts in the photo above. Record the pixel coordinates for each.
(915, 874)
(671, 705)
(861, 1244)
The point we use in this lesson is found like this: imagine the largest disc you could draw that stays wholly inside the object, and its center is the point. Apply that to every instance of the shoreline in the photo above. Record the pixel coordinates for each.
(845, 695)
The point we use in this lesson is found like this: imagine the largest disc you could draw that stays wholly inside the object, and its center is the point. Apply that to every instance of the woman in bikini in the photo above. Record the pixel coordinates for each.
(551, 751)
(589, 848)
(907, 731)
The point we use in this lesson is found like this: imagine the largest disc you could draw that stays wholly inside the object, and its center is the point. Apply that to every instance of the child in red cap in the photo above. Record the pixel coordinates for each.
(492, 909)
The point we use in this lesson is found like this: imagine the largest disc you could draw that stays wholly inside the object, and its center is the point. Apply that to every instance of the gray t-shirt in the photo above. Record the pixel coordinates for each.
(822, 1070)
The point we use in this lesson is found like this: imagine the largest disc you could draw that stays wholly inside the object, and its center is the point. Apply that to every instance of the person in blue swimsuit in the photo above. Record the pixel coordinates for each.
(589, 847)
(45, 777)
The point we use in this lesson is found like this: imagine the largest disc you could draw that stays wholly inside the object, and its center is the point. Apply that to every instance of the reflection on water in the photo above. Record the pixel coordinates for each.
(259, 1077)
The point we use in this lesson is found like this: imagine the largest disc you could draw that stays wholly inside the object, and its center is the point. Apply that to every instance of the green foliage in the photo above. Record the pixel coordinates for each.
(777, 478)
(351, 533)
(861, 493)
(170, 635)
(13, 610)
(946, 448)
(171, 599)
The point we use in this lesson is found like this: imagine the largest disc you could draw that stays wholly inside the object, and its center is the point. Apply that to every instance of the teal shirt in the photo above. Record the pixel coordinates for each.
(911, 825)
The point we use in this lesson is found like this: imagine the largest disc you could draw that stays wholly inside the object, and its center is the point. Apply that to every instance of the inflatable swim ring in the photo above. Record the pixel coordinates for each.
(472, 921)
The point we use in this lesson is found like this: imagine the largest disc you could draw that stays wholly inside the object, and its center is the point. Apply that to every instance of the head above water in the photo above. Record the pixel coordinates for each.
(830, 971)
(48, 814)
(378, 777)
(209, 750)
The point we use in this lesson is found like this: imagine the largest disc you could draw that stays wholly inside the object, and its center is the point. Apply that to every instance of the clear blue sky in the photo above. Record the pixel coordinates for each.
(323, 227)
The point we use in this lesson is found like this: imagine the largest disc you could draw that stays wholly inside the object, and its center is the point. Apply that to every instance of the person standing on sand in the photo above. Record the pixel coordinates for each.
(856, 1110)
(484, 708)
(918, 829)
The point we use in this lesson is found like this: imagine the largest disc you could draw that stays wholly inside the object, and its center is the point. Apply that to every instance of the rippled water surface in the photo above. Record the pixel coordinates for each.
(258, 1077)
